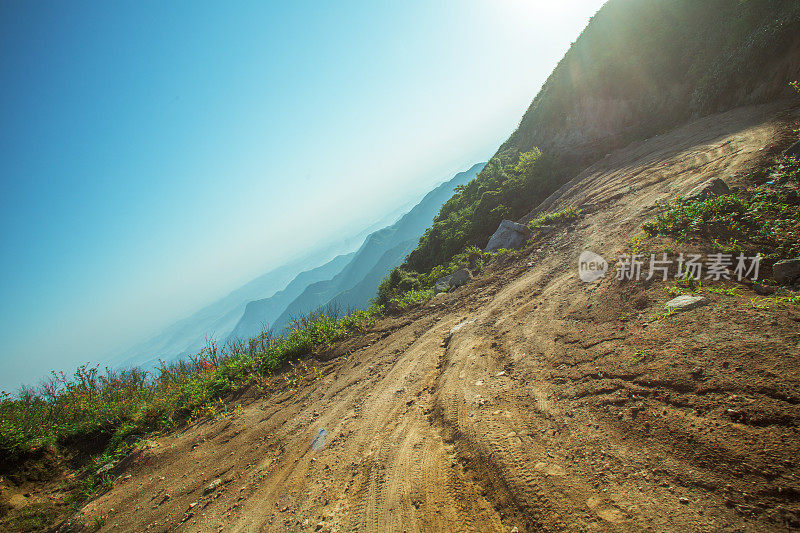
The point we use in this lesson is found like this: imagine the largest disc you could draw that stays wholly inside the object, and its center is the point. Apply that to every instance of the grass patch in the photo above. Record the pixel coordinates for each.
(557, 217)
(98, 521)
(791, 299)
(768, 302)
(666, 313)
(727, 291)
(760, 303)
(412, 298)
(33, 517)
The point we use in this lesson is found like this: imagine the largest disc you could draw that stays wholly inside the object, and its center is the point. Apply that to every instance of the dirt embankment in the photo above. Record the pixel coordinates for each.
(557, 405)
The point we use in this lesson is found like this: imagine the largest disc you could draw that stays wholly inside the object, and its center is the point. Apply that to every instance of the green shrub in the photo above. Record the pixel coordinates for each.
(681, 218)
(507, 188)
(398, 281)
(34, 517)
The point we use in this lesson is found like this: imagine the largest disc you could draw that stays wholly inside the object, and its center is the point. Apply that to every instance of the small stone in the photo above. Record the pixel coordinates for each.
(105, 468)
(686, 302)
(684, 501)
(763, 290)
(214, 485)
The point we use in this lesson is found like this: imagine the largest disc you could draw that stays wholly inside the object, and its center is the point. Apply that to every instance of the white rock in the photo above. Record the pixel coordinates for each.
(686, 302)
(214, 485)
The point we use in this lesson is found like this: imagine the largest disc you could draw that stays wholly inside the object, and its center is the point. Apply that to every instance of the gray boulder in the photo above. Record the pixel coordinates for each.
(454, 280)
(712, 187)
(685, 302)
(442, 285)
(509, 235)
(787, 271)
(763, 290)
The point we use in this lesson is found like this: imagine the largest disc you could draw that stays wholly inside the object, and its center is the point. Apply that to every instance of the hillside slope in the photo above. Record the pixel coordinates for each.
(362, 266)
(364, 290)
(640, 67)
(538, 414)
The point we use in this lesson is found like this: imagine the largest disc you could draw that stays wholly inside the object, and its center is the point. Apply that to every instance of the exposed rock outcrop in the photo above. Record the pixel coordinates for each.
(712, 187)
(787, 271)
(453, 281)
(509, 235)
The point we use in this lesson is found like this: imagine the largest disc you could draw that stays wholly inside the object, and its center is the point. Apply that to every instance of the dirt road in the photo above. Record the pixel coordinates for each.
(556, 406)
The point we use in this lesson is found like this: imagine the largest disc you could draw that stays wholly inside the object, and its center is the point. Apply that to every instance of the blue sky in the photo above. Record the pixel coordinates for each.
(156, 155)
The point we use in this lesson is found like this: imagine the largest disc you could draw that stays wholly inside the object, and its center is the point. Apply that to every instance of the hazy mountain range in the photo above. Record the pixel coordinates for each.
(357, 282)
(260, 314)
(343, 273)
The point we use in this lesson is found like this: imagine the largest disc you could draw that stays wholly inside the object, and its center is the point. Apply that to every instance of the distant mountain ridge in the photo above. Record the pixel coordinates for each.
(357, 283)
(216, 320)
(258, 314)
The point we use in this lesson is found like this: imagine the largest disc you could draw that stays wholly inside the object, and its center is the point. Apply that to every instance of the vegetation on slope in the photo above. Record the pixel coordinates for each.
(506, 189)
(640, 67)
(764, 218)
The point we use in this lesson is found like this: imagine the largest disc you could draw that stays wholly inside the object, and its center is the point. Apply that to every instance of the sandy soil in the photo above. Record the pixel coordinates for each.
(557, 405)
